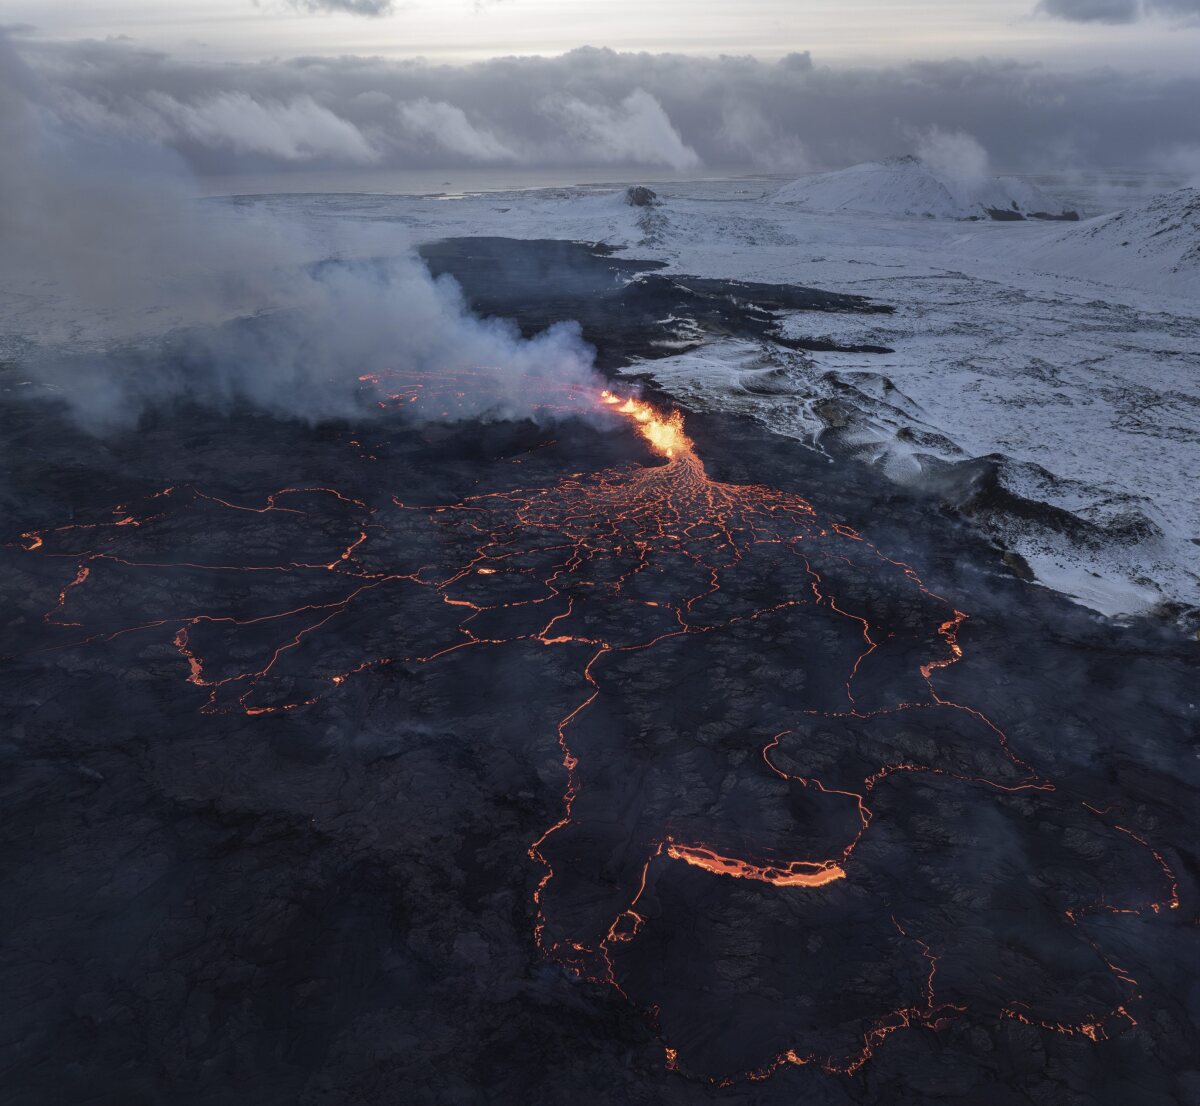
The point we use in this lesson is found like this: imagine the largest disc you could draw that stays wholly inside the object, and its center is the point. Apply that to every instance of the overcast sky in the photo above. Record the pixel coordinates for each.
(1127, 33)
(688, 86)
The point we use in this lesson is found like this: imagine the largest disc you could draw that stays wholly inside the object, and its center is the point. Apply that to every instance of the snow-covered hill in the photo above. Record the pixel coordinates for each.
(1154, 247)
(910, 186)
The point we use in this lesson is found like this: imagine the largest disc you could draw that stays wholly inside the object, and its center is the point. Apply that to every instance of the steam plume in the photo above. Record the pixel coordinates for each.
(132, 292)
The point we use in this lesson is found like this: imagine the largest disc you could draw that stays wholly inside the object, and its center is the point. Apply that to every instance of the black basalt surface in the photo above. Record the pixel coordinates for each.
(304, 874)
(626, 307)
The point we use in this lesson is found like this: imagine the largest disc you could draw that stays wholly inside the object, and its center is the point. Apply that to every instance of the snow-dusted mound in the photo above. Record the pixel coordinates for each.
(1155, 247)
(909, 186)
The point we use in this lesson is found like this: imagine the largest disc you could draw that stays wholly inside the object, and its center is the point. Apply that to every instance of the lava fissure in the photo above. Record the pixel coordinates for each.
(611, 564)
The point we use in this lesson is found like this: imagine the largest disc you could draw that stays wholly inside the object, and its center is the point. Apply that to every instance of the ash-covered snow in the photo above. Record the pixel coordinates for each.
(909, 186)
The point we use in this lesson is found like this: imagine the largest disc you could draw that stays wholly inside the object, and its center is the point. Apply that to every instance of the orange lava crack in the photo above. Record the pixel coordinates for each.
(633, 513)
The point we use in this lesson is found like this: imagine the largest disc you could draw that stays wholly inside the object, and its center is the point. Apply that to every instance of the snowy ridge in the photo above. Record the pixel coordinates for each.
(908, 186)
(1155, 247)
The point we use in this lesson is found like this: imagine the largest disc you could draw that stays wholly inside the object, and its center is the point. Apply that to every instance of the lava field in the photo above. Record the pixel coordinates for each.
(629, 755)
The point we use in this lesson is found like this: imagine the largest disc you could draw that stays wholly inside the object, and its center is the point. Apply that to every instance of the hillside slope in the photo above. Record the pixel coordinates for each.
(908, 186)
(1154, 246)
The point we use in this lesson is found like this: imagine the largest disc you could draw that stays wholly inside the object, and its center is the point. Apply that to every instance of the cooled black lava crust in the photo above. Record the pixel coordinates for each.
(327, 883)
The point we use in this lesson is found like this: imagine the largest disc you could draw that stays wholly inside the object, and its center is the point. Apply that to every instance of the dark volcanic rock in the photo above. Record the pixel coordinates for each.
(300, 854)
(638, 195)
(626, 307)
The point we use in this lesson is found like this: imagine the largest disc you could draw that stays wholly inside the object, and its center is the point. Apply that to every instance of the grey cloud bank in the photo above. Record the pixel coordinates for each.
(595, 107)
(351, 7)
(1119, 11)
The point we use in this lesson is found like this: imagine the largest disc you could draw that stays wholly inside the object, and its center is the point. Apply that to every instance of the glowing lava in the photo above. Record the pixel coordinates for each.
(797, 873)
(664, 432)
(608, 565)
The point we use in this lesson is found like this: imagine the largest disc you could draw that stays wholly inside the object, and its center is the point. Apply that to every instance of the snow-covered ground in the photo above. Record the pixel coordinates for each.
(911, 186)
(1069, 353)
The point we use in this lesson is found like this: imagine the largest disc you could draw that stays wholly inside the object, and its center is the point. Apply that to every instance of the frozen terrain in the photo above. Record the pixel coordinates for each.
(1153, 246)
(1042, 378)
(910, 186)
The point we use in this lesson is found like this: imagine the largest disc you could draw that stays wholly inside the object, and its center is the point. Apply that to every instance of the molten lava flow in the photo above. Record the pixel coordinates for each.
(659, 550)
(663, 432)
(796, 873)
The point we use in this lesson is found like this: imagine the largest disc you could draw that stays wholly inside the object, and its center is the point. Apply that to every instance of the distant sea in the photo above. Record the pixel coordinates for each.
(1090, 191)
(448, 182)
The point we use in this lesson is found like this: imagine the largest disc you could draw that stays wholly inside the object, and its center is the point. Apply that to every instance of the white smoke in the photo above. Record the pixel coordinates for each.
(1185, 161)
(953, 154)
(637, 131)
(103, 246)
(746, 133)
(299, 129)
(447, 127)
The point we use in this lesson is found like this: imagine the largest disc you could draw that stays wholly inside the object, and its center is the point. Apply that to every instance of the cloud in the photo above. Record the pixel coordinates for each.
(635, 132)
(1118, 11)
(446, 126)
(595, 106)
(352, 7)
(1092, 11)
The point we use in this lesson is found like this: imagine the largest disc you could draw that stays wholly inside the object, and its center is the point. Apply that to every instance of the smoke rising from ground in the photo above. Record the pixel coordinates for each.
(953, 154)
(635, 132)
(1184, 160)
(443, 126)
(134, 293)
